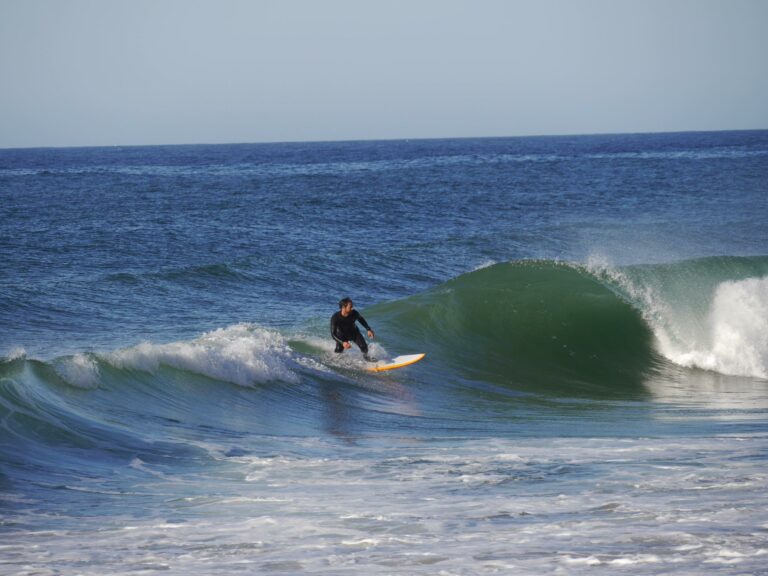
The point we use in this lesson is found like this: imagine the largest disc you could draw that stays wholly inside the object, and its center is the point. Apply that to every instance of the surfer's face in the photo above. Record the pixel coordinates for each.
(346, 309)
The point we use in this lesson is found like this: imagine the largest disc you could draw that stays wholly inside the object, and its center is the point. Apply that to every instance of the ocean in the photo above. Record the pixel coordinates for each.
(594, 397)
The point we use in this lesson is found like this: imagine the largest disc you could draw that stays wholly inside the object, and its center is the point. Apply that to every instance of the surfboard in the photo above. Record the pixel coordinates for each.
(397, 362)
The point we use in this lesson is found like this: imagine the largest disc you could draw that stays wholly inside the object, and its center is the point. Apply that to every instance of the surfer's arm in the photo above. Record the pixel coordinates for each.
(362, 321)
(333, 330)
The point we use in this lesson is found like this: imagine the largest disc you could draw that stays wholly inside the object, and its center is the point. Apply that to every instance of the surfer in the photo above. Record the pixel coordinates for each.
(344, 330)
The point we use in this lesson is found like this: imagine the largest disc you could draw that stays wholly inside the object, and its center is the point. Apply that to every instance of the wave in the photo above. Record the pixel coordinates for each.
(523, 321)
(540, 328)
(515, 322)
(243, 354)
(130, 403)
(543, 325)
(534, 322)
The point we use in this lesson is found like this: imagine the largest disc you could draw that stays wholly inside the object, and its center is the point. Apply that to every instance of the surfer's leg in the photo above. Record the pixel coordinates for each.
(363, 345)
(339, 348)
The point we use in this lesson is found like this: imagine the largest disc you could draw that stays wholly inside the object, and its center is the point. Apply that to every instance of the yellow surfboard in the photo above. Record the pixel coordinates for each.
(398, 362)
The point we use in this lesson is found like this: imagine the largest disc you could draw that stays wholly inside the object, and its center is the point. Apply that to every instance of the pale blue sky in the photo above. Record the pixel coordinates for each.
(109, 72)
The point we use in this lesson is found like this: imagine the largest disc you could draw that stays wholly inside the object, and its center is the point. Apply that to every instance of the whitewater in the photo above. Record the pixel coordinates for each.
(594, 310)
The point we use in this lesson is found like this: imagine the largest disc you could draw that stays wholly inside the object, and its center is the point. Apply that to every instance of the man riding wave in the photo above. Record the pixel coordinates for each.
(344, 330)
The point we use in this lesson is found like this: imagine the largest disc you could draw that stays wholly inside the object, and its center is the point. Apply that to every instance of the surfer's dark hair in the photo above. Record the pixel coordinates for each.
(344, 301)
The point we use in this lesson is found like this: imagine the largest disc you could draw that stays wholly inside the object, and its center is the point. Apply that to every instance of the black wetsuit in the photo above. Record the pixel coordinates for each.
(344, 330)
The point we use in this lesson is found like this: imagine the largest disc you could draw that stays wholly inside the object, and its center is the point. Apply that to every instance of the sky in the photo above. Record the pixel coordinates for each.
(132, 72)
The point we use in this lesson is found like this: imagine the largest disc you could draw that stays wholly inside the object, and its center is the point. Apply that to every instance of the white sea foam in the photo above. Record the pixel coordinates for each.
(566, 505)
(737, 338)
(351, 359)
(79, 370)
(138, 464)
(243, 354)
(728, 335)
(725, 330)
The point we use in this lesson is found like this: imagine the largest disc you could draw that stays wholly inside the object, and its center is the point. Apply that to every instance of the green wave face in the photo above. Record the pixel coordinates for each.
(530, 324)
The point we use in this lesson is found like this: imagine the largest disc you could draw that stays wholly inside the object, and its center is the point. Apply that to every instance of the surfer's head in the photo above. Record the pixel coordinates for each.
(346, 305)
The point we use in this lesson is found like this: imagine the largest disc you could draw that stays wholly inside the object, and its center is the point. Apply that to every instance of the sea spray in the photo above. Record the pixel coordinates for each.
(15, 353)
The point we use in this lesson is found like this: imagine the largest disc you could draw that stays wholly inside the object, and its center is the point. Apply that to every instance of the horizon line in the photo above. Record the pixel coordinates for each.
(354, 140)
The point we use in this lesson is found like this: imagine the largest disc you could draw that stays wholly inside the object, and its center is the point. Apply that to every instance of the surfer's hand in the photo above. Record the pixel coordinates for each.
(346, 345)
(371, 334)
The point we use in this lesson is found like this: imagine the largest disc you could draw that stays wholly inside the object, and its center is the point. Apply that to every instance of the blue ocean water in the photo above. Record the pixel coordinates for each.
(594, 310)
